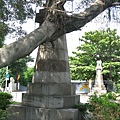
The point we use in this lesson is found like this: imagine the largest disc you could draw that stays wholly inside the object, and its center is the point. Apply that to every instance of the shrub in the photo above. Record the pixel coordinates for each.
(100, 108)
(103, 109)
(3, 114)
(4, 100)
(83, 107)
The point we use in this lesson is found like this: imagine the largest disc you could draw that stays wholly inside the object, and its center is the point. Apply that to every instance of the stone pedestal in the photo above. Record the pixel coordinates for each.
(50, 96)
(36, 113)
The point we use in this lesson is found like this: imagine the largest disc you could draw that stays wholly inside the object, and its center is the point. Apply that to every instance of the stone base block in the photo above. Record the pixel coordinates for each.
(19, 112)
(50, 101)
(53, 77)
(99, 90)
(51, 89)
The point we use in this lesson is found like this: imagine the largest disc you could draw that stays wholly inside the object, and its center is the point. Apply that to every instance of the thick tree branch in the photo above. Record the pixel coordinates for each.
(50, 30)
(76, 21)
(26, 45)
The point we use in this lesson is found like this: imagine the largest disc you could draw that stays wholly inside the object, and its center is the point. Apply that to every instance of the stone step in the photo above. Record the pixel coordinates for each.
(50, 101)
(20, 112)
(51, 89)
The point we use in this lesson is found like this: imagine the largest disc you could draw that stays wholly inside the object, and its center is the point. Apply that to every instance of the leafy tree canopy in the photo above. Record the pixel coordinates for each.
(97, 45)
(2, 76)
(28, 74)
(12, 15)
(20, 67)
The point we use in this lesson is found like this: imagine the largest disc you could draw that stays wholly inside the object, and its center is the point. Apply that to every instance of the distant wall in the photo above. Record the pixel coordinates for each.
(83, 86)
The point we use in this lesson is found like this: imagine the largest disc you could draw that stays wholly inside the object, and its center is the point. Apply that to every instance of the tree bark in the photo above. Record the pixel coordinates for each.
(56, 24)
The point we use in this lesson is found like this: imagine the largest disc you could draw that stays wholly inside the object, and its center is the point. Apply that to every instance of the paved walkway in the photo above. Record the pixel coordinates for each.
(17, 96)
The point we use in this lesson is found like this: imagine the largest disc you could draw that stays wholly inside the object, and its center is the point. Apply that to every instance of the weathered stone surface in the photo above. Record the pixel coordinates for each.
(16, 112)
(50, 101)
(51, 89)
(54, 65)
(34, 113)
(53, 77)
(50, 96)
(50, 52)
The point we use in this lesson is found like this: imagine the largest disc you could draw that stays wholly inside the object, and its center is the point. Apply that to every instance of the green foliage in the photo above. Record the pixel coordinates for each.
(117, 87)
(3, 33)
(83, 107)
(20, 67)
(103, 109)
(97, 45)
(21, 7)
(100, 107)
(2, 76)
(111, 96)
(4, 100)
(28, 74)
(3, 114)
(11, 12)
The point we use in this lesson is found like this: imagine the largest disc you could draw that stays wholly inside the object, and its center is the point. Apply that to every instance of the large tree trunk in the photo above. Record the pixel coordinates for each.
(57, 23)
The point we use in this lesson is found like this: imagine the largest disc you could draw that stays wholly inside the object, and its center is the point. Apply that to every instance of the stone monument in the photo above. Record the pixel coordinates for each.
(12, 85)
(99, 86)
(50, 96)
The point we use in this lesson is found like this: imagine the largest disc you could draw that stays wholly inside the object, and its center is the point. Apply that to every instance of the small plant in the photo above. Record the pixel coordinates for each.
(117, 87)
(111, 96)
(82, 107)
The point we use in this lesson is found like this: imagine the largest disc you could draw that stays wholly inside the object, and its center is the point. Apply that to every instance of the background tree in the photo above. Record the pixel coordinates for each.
(13, 14)
(97, 45)
(28, 74)
(20, 67)
(2, 77)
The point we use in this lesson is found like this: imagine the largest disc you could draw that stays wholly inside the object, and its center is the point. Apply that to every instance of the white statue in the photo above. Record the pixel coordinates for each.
(99, 86)
(12, 84)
